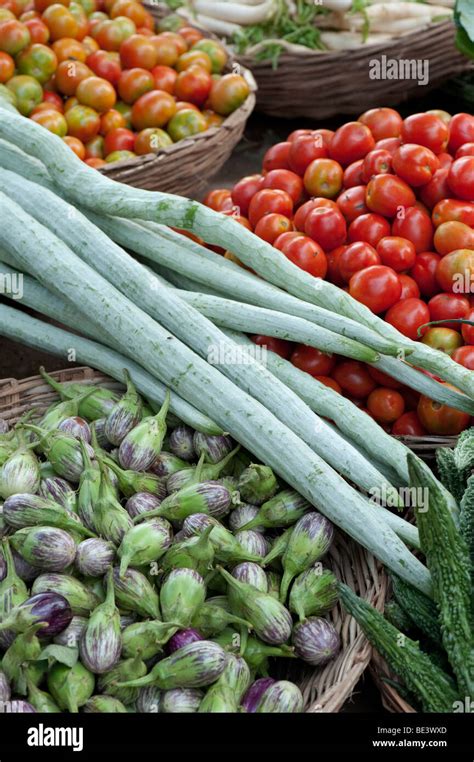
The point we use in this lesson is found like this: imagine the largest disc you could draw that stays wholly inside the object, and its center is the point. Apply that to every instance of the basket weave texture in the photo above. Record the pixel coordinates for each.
(325, 689)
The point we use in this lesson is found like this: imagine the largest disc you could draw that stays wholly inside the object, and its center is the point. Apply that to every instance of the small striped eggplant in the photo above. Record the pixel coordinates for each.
(25, 648)
(13, 591)
(98, 434)
(227, 547)
(94, 556)
(111, 520)
(104, 705)
(20, 473)
(148, 700)
(255, 653)
(72, 634)
(212, 619)
(314, 592)
(141, 502)
(127, 671)
(101, 643)
(270, 619)
(5, 690)
(17, 706)
(193, 666)
(48, 548)
(192, 553)
(146, 639)
(26, 571)
(310, 540)
(60, 491)
(61, 411)
(125, 415)
(181, 596)
(251, 574)
(274, 584)
(145, 543)
(201, 472)
(182, 638)
(81, 600)
(236, 676)
(257, 484)
(181, 443)
(131, 482)
(127, 619)
(316, 641)
(166, 464)
(5, 531)
(214, 448)
(89, 488)
(96, 405)
(24, 510)
(283, 510)
(206, 497)
(40, 700)
(282, 697)
(254, 693)
(142, 445)
(76, 427)
(181, 700)
(133, 592)
(219, 699)
(278, 548)
(70, 687)
(254, 542)
(197, 523)
(243, 515)
(230, 482)
(51, 610)
(63, 452)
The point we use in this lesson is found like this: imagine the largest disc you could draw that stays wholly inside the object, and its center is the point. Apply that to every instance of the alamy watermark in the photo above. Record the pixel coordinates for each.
(235, 354)
(11, 284)
(416, 69)
(416, 497)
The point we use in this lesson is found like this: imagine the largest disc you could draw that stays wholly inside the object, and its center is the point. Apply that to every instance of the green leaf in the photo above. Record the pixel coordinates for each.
(62, 654)
(464, 20)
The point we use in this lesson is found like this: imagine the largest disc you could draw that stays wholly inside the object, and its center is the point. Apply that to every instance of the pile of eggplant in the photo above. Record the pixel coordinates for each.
(147, 567)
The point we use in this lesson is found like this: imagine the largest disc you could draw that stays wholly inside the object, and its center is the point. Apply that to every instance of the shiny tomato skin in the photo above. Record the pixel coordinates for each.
(303, 151)
(271, 226)
(228, 94)
(388, 144)
(388, 195)
(461, 131)
(151, 140)
(14, 36)
(378, 287)
(305, 254)
(455, 271)
(382, 378)
(329, 382)
(277, 157)
(356, 256)
(138, 51)
(415, 164)
(153, 109)
(193, 85)
(446, 306)
(426, 130)
(327, 227)
(105, 65)
(468, 330)
(377, 162)
(453, 235)
(119, 139)
(443, 339)
(324, 136)
(165, 78)
(83, 122)
(133, 83)
(382, 122)
(333, 274)
(386, 405)
(244, 190)
(416, 226)
(424, 273)
(302, 212)
(351, 142)
(437, 189)
(279, 346)
(298, 134)
(111, 120)
(409, 287)
(268, 200)
(312, 360)
(354, 379)
(408, 425)
(351, 202)
(323, 177)
(54, 100)
(219, 199)
(285, 238)
(68, 75)
(76, 145)
(445, 160)
(284, 179)
(39, 32)
(441, 419)
(407, 316)
(461, 178)
(450, 209)
(97, 93)
(464, 356)
(397, 253)
(7, 67)
(369, 228)
(353, 174)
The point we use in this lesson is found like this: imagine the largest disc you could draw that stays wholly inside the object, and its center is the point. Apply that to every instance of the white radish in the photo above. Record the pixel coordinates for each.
(217, 26)
(339, 41)
(337, 5)
(237, 13)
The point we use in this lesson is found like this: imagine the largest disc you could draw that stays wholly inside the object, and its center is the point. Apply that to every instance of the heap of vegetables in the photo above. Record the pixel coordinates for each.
(383, 208)
(98, 75)
(147, 568)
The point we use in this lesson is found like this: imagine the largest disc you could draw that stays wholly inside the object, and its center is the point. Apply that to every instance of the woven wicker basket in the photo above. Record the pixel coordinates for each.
(325, 689)
(186, 167)
(425, 447)
(386, 683)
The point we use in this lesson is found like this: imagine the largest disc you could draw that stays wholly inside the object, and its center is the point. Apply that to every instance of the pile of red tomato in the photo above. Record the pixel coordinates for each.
(97, 74)
(384, 208)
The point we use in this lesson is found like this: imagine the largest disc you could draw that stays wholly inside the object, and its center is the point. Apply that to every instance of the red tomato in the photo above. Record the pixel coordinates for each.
(461, 178)
(133, 83)
(119, 139)
(53, 99)
(350, 143)
(461, 131)
(330, 382)
(285, 238)
(415, 225)
(95, 162)
(268, 201)
(333, 273)
(377, 162)
(455, 272)
(193, 85)
(408, 425)
(111, 120)
(369, 228)
(386, 405)
(382, 378)
(323, 177)
(351, 202)
(284, 179)
(389, 144)
(39, 32)
(382, 122)
(69, 74)
(357, 256)
(354, 379)
(277, 157)
(279, 346)
(165, 78)
(441, 419)
(424, 273)
(271, 226)
(445, 160)
(220, 200)
(7, 67)
(388, 195)
(303, 151)
(378, 287)
(299, 220)
(447, 307)
(304, 253)
(245, 190)
(409, 287)
(327, 227)
(468, 330)
(453, 235)
(313, 361)
(324, 136)
(353, 174)
(407, 316)
(138, 51)
(415, 164)
(437, 189)
(397, 253)
(298, 134)
(153, 109)
(450, 209)
(426, 130)
(105, 65)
